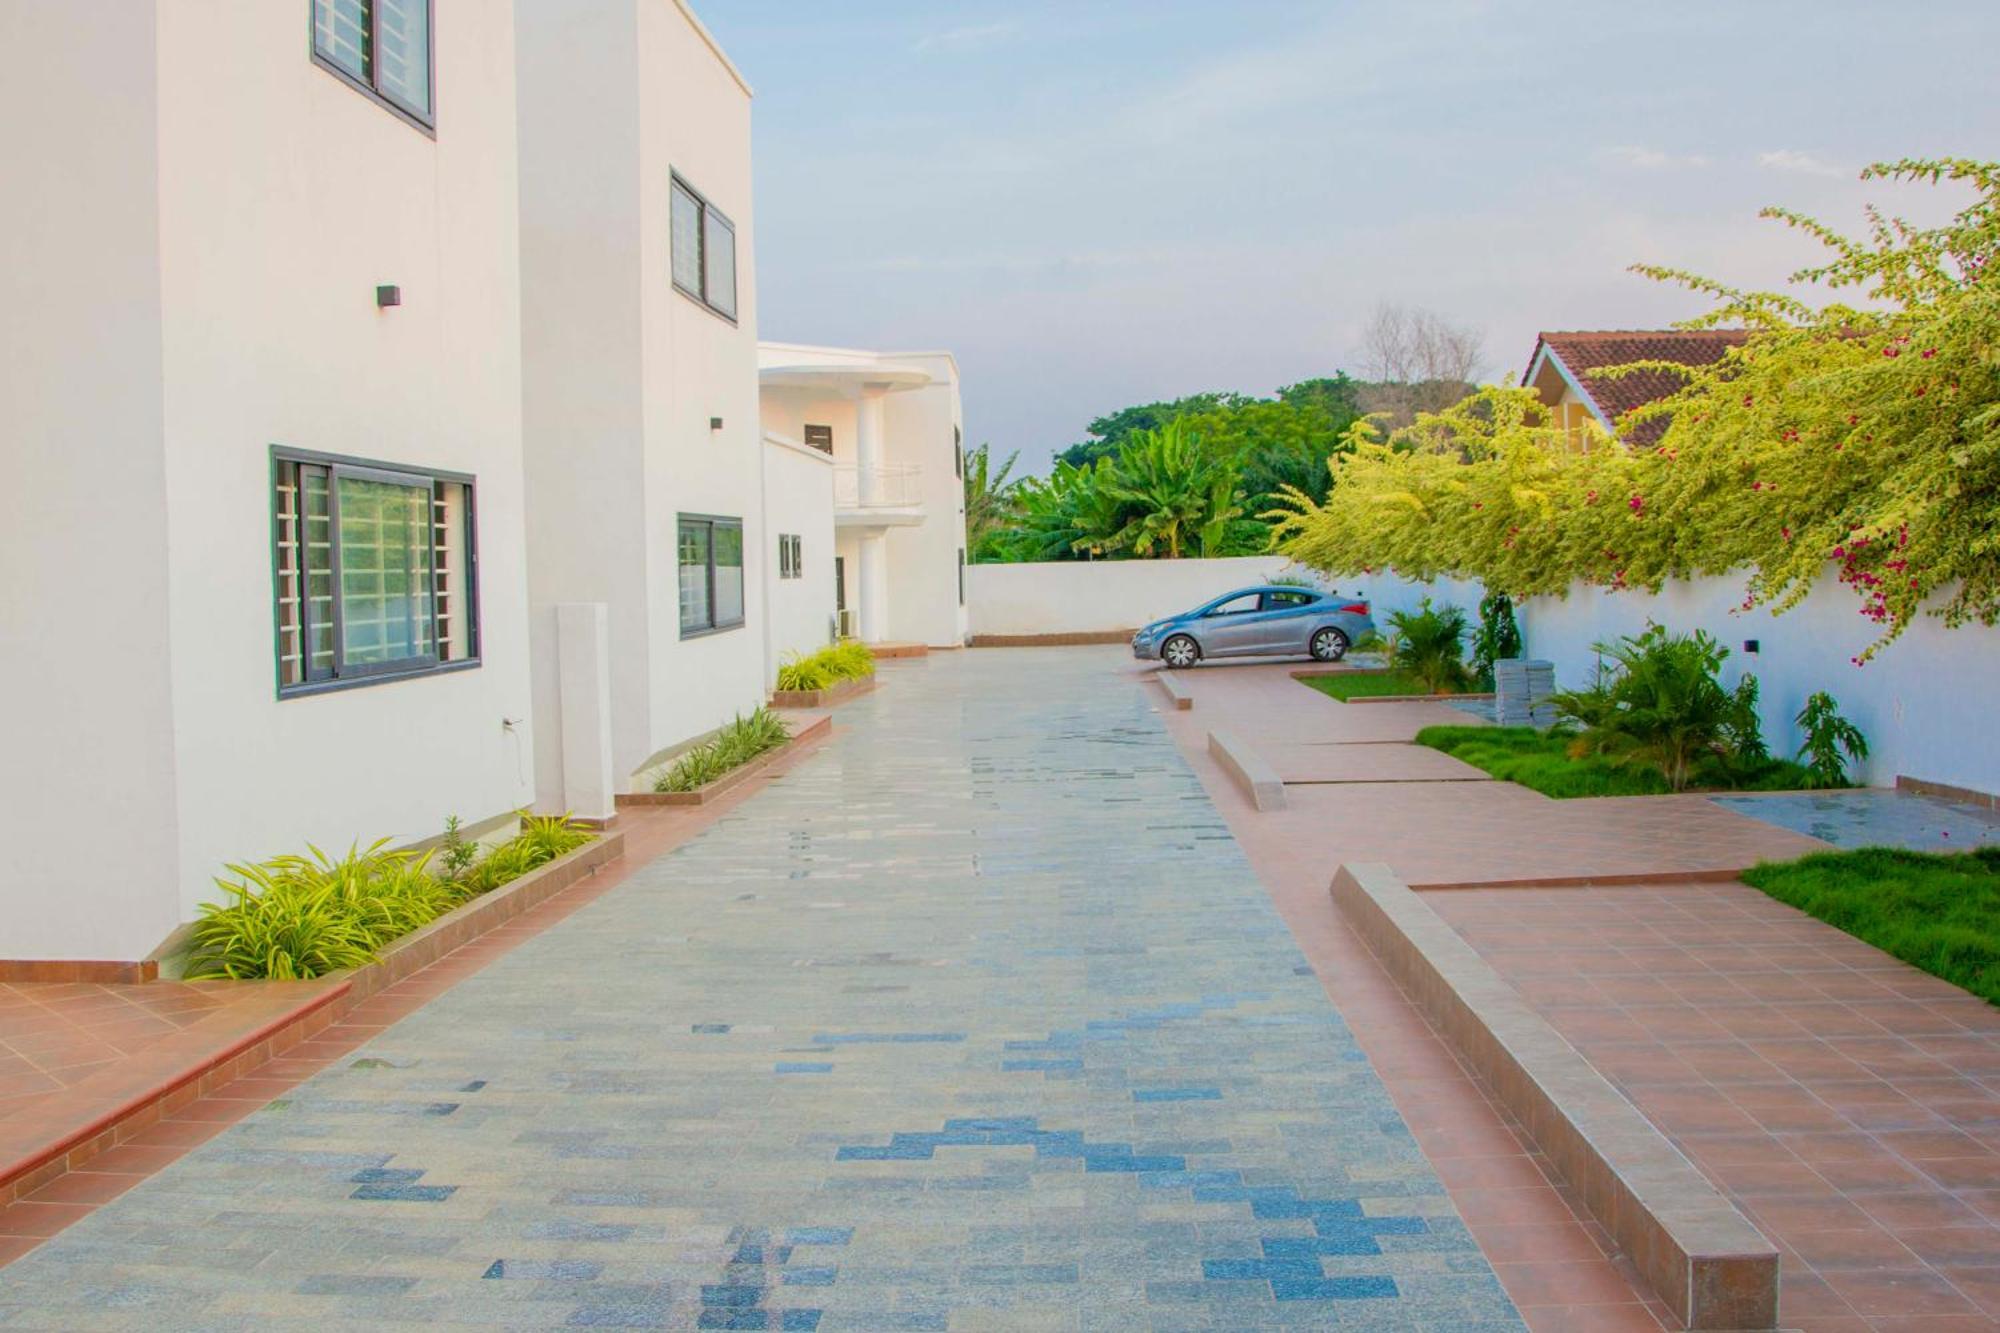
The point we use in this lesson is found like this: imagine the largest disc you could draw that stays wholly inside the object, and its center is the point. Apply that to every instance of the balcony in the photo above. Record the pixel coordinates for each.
(877, 496)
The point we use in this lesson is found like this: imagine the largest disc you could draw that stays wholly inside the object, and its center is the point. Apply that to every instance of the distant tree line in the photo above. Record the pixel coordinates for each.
(1195, 476)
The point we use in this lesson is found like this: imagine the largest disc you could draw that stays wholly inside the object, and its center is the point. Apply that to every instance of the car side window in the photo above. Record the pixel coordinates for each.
(1286, 601)
(1235, 606)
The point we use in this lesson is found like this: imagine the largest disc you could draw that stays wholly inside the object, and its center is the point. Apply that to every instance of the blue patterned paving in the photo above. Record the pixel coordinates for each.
(978, 1019)
(1874, 817)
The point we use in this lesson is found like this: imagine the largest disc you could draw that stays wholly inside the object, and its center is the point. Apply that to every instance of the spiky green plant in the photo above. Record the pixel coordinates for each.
(734, 745)
(1660, 703)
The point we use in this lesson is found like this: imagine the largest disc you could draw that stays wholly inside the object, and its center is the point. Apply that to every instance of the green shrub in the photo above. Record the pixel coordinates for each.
(733, 746)
(1430, 647)
(1545, 762)
(850, 659)
(1939, 913)
(1660, 704)
(1828, 734)
(294, 917)
(1498, 636)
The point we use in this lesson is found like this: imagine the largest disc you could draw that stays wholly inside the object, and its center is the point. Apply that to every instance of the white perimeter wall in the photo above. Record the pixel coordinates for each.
(285, 198)
(86, 737)
(1094, 596)
(798, 499)
(1927, 703)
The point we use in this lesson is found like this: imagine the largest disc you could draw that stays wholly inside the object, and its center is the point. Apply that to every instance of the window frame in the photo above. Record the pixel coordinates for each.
(712, 521)
(426, 121)
(705, 210)
(373, 673)
(825, 432)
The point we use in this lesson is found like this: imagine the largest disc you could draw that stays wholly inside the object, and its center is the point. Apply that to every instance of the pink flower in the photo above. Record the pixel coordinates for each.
(1929, 352)
(1636, 504)
(1891, 352)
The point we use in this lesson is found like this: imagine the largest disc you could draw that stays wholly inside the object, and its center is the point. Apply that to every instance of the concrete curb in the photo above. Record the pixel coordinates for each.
(835, 693)
(1713, 1269)
(1177, 696)
(1260, 782)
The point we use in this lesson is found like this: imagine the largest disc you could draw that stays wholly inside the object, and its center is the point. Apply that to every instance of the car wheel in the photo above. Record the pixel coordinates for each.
(1329, 645)
(1180, 651)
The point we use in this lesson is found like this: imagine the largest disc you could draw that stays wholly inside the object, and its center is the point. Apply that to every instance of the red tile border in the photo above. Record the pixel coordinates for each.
(808, 734)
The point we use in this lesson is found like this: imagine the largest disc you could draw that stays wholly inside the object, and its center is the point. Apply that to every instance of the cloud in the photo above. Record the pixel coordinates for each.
(1650, 159)
(954, 40)
(1799, 164)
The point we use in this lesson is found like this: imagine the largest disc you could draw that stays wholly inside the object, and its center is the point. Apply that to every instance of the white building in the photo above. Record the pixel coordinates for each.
(892, 424)
(255, 258)
(645, 463)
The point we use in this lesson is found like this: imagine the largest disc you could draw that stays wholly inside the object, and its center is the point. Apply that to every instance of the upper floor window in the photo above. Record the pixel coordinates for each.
(704, 246)
(382, 47)
(820, 438)
(375, 570)
(791, 556)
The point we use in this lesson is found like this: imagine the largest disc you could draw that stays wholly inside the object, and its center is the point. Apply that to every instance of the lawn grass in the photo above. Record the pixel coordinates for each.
(1937, 912)
(1541, 760)
(1364, 684)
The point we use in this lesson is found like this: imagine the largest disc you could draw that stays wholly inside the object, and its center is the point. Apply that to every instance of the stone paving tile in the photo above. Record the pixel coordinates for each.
(1873, 817)
(1070, 1071)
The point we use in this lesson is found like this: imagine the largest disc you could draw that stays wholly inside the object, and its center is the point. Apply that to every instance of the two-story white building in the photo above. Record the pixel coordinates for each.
(262, 554)
(644, 457)
(892, 424)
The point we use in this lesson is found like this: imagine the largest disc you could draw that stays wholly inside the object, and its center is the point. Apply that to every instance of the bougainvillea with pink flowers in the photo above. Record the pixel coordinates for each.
(1861, 435)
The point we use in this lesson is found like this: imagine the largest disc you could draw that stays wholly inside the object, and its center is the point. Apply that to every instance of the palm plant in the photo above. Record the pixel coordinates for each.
(1660, 703)
(1430, 646)
(1181, 497)
(992, 501)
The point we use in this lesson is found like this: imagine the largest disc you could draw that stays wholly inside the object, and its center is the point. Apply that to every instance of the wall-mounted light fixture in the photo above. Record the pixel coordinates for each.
(388, 294)
(715, 423)
(1750, 646)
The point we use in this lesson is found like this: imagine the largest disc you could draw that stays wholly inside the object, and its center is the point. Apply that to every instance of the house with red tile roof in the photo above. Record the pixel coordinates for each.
(1559, 372)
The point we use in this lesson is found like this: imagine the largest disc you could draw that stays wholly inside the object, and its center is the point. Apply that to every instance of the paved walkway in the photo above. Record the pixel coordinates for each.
(977, 1019)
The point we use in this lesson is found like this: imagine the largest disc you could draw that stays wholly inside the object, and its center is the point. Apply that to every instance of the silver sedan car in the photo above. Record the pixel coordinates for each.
(1270, 621)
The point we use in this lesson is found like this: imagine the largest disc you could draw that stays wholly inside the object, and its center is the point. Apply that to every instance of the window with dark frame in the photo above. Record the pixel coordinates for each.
(703, 241)
(382, 48)
(711, 573)
(791, 564)
(376, 571)
(820, 438)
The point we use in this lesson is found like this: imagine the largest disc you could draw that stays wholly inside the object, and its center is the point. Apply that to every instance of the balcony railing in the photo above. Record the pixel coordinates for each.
(890, 487)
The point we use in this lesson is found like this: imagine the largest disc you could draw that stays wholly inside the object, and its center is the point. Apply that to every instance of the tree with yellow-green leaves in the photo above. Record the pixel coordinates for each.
(1862, 433)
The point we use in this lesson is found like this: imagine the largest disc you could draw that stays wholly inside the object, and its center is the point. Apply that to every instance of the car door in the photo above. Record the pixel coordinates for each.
(1282, 621)
(1229, 628)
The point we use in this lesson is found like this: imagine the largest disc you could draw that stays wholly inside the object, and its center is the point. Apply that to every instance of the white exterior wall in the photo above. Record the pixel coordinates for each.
(924, 605)
(798, 499)
(84, 598)
(1099, 596)
(285, 198)
(190, 269)
(622, 371)
(1925, 703)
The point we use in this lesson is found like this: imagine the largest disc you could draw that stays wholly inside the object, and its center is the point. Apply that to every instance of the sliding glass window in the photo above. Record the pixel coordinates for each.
(711, 573)
(382, 48)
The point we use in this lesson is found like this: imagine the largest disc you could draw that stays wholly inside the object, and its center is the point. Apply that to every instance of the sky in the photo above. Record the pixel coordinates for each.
(1095, 203)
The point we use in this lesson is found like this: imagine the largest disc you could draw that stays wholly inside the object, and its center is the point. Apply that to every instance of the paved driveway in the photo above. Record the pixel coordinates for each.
(978, 1019)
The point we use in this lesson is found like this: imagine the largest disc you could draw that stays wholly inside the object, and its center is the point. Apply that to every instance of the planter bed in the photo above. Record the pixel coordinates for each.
(808, 733)
(1362, 678)
(825, 698)
(63, 1132)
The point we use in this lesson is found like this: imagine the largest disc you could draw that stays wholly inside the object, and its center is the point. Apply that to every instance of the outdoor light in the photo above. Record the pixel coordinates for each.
(715, 423)
(1749, 645)
(388, 294)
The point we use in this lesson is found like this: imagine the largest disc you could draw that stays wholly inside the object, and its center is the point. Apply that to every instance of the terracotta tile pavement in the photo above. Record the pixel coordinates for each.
(1846, 1102)
(1448, 833)
(98, 1021)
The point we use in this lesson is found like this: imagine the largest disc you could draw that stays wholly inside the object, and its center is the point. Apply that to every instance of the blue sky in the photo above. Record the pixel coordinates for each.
(1096, 203)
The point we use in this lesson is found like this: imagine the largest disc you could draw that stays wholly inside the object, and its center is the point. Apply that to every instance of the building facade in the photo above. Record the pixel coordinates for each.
(893, 424)
(644, 456)
(265, 568)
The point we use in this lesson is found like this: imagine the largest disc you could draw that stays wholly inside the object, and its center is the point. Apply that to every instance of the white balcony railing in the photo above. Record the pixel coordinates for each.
(892, 487)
